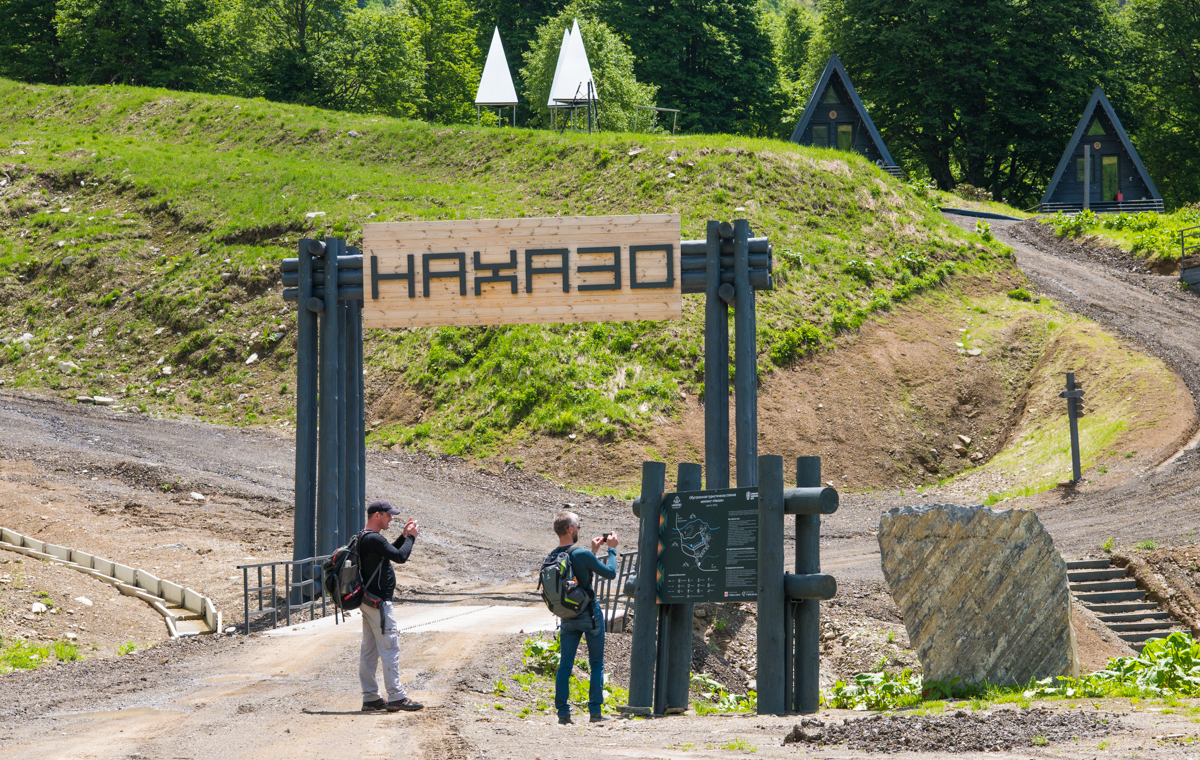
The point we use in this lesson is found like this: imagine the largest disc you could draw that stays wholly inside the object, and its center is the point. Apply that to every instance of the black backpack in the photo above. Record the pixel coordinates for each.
(561, 592)
(342, 577)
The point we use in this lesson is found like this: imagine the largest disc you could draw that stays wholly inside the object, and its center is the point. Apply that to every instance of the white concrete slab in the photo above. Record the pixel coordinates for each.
(424, 619)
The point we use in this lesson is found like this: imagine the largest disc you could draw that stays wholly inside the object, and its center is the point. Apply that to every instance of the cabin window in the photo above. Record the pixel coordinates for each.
(830, 97)
(1079, 170)
(1112, 180)
(821, 135)
(1097, 129)
(845, 136)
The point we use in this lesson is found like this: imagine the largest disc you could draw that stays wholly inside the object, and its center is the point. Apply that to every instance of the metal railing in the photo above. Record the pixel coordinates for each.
(301, 591)
(610, 592)
(295, 597)
(1189, 255)
(1105, 207)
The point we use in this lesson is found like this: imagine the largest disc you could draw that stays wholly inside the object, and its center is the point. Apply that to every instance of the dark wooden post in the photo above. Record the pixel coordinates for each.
(360, 418)
(304, 542)
(716, 367)
(662, 656)
(1072, 395)
(329, 446)
(679, 622)
(807, 622)
(353, 446)
(772, 657)
(345, 453)
(642, 656)
(745, 380)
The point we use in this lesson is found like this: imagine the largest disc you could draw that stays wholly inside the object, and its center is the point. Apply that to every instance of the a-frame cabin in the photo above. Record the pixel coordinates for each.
(1100, 169)
(835, 118)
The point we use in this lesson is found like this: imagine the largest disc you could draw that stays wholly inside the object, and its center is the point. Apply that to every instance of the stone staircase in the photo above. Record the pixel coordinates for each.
(1118, 602)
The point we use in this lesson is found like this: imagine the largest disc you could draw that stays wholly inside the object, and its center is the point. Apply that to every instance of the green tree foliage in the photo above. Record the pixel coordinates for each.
(518, 21)
(612, 70)
(453, 62)
(984, 92)
(375, 65)
(290, 38)
(1165, 52)
(29, 42)
(136, 42)
(793, 28)
(797, 27)
(712, 59)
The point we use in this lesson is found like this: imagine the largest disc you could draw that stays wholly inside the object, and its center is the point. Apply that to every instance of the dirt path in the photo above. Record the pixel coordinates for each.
(1146, 308)
(265, 697)
(1157, 504)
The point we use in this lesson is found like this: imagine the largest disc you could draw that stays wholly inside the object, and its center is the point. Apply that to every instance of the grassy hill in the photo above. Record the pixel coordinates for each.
(142, 230)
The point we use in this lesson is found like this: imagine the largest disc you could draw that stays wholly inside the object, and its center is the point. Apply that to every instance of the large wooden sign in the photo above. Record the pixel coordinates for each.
(521, 271)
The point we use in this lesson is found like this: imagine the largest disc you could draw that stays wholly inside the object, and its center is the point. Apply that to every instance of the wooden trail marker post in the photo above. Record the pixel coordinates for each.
(1074, 396)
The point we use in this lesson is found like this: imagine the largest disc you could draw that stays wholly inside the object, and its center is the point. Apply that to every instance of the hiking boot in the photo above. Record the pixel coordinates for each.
(405, 704)
(597, 718)
(375, 705)
(565, 720)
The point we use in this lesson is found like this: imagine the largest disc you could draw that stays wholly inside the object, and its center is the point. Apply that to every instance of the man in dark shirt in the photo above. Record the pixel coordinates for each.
(379, 636)
(589, 623)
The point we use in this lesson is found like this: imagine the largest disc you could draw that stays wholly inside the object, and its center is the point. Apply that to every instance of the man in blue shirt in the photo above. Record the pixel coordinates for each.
(589, 623)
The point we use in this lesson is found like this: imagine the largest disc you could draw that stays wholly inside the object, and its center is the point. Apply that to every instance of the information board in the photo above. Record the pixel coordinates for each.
(708, 546)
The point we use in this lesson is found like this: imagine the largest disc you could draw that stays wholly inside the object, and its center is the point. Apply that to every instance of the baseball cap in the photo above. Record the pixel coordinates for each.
(381, 506)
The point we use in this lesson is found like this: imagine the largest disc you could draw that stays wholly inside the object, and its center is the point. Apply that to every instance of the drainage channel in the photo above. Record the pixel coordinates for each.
(1118, 602)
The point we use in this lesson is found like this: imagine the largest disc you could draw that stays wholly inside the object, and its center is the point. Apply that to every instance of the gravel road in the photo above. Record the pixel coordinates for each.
(1149, 310)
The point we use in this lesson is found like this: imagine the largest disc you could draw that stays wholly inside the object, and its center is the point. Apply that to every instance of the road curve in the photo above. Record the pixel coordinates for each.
(1153, 312)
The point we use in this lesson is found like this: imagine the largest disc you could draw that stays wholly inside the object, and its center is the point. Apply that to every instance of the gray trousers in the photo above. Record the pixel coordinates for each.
(379, 642)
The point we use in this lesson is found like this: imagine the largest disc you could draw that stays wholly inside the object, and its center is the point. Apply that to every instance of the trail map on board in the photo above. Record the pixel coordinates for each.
(708, 546)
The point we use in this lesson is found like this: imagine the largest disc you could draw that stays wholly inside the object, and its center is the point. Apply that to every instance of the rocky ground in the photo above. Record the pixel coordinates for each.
(960, 731)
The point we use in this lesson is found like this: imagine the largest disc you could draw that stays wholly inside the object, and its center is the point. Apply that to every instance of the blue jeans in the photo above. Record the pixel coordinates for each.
(591, 626)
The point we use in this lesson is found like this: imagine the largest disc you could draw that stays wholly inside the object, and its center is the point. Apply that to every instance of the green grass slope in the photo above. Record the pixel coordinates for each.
(142, 230)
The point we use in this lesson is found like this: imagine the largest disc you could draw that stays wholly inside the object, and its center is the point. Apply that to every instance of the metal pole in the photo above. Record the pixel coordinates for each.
(771, 602)
(1073, 419)
(745, 379)
(1087, 176)
(642, 656)
(304, 542)
(679, 624)
(807, 623)
(716, 367)
(329, 444)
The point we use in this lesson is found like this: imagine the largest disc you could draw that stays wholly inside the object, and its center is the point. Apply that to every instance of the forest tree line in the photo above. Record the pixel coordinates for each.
(984, 92)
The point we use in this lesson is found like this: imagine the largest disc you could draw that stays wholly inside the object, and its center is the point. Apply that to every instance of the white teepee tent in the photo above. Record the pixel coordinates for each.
(496, 84)
(558, 66)
(573, 83)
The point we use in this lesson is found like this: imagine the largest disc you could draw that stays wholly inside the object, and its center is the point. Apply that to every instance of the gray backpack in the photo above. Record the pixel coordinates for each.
(560, 591)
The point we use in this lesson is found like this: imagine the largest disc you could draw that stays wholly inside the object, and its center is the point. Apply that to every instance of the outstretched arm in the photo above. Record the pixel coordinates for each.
(605, 569)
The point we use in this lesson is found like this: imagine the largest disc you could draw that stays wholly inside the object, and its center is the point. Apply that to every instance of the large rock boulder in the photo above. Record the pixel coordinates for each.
(984, 594)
